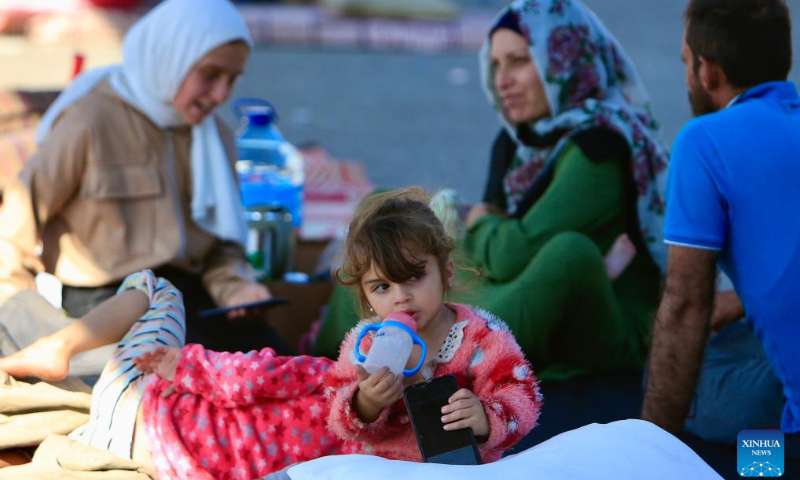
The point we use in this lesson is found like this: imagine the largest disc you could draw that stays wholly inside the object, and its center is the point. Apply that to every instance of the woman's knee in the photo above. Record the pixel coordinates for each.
(564, 260)
(573, 249)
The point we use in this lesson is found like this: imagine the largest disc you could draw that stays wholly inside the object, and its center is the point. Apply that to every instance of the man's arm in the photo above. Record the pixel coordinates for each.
(679, 336)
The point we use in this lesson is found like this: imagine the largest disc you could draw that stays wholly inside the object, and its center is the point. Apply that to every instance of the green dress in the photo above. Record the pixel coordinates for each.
(544, 275)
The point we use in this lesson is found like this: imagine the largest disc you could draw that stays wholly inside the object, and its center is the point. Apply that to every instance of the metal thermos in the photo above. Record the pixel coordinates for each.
(270, 240)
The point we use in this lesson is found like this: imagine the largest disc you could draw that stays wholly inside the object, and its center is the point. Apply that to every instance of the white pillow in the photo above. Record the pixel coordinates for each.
(624, 449)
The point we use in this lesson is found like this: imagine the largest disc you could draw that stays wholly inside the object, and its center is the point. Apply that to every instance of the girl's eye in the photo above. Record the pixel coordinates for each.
(519, 60)
(381, 287)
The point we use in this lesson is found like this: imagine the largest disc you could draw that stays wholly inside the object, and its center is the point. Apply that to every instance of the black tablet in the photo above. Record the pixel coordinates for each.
(424, 402)
(215, 312)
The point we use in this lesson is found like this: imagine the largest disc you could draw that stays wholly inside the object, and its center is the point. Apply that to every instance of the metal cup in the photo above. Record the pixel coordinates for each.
(270, 240)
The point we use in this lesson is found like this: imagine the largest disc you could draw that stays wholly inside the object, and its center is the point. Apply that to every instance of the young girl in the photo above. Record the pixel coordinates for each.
(240, 416)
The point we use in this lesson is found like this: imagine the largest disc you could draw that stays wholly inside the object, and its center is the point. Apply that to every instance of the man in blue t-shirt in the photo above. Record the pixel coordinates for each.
(733, 196)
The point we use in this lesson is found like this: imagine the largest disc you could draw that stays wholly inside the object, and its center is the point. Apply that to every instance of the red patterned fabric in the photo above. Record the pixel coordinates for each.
(239, 416)
(332, 191)
(121, 4)
(242, 416)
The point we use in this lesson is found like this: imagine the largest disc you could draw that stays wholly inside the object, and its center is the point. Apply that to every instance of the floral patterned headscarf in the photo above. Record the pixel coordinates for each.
(589, 82)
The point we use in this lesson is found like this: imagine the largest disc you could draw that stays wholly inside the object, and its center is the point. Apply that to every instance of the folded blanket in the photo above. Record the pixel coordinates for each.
(31, 412)
(41, 414)
(66, 459)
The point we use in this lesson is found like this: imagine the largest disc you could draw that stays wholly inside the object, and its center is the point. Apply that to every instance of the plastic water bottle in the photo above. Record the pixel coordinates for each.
(270, 168)
(392, 345)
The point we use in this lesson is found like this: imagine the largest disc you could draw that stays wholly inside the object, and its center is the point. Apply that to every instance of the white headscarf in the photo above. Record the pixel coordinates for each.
(158, 53)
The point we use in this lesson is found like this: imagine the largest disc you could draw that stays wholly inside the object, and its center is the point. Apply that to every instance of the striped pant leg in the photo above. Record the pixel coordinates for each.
(118, 393)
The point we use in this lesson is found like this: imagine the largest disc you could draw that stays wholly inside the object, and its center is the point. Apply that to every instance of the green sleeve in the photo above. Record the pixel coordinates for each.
(584, 195)
(341, 314)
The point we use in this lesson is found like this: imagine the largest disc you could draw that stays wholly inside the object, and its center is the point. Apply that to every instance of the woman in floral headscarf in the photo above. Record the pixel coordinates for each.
(576, 166)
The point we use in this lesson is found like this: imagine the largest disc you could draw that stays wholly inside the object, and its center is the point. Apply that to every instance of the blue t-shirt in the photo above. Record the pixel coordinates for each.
(734, 186)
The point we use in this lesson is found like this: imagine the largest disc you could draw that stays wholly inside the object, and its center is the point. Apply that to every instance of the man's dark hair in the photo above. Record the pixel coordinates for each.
(751, 40)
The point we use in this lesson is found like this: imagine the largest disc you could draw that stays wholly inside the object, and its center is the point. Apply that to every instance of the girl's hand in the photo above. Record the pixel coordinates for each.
(161, 360)
(465, 410)
(376, 392)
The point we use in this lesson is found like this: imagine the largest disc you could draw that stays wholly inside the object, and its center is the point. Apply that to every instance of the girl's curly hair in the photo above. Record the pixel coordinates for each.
(393, 232)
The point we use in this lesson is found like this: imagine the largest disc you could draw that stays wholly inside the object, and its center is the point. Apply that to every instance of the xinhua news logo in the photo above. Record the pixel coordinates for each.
(759, 453)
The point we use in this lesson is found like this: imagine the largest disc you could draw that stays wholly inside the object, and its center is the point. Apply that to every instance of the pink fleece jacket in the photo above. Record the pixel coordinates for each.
(488, 362)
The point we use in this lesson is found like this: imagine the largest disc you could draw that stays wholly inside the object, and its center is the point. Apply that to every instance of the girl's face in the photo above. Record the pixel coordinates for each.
(421, 297)
(210, 82)
(516, 79)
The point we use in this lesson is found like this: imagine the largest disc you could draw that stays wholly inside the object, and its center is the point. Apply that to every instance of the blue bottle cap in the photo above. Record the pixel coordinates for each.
(260, 116)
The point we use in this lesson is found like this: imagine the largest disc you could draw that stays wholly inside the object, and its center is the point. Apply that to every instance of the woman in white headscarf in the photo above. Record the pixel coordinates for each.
(135, 172)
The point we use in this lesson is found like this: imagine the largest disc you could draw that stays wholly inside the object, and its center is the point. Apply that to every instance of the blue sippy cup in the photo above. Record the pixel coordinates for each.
(396, 336)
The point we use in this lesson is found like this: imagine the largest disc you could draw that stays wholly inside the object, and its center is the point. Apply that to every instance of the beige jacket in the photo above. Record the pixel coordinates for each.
(109, 194)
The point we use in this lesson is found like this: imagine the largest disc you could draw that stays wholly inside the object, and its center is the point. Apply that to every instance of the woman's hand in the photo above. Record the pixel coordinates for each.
(465, 410)
(376, 392)
(253, 292)
(728, 308)
(481, 210)
(161, 360)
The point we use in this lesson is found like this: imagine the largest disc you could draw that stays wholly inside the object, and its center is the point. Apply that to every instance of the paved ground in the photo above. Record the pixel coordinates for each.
(411, 118)
(403, 115)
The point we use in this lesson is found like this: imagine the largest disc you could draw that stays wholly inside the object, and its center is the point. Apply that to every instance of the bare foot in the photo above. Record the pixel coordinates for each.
(619, 256)
(47, 359)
